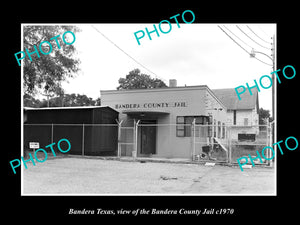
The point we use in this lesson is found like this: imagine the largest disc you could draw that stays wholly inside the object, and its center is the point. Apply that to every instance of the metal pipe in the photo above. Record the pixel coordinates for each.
(82, 149)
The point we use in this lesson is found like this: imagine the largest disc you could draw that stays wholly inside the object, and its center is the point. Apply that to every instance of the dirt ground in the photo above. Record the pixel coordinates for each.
(73, 176)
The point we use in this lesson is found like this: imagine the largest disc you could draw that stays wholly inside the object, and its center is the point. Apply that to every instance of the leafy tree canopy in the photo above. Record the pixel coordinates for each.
(45, 73)
(61, 101)
(264, 116)
(137, 80)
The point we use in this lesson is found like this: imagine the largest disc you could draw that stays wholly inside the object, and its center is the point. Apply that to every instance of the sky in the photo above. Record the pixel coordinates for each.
(194, 54)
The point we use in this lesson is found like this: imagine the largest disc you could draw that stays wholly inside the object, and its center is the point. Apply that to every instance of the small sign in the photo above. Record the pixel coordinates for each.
(34, 145)
(247, 166)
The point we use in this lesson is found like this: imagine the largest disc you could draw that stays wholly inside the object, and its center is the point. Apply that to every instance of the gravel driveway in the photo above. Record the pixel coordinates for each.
(71, 175)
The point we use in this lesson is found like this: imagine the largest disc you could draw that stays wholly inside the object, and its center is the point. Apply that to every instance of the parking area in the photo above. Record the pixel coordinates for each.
(77, 175)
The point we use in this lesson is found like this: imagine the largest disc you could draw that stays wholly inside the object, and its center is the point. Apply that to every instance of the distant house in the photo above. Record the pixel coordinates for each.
(243, 114)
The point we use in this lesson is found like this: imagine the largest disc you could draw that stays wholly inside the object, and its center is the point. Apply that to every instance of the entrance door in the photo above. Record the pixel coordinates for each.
(148, 137)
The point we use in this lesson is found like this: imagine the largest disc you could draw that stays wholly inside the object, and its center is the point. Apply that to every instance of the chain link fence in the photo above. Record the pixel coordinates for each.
(85, 139)
(247, 140)
(197, 142)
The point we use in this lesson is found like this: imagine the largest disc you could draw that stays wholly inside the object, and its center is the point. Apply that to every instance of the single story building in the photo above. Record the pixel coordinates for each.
(165, 117)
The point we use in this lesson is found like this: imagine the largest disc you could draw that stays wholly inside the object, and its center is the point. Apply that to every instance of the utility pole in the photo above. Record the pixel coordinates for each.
(273, 95)
(48, 99)
(252, 55)
(272, 58)
(273, 86)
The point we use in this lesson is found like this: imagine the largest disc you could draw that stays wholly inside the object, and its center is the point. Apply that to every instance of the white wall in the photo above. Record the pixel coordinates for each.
(251, 114)
(181, 101)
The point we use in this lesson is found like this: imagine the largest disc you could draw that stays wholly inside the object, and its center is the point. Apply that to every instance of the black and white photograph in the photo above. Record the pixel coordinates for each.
(137, 112)
(172, 109)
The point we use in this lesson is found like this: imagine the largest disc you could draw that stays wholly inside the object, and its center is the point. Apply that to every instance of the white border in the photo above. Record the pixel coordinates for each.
(73, 194)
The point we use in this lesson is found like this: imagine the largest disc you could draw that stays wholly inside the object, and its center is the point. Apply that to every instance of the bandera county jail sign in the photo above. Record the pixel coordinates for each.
(151, 105)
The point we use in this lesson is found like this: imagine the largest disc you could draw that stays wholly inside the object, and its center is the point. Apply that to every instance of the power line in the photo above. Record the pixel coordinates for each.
(251, 38)
(263, 31)
(257, 35)
(234, 40)
(263, 61)
(237, 37)
(242, 47)
(124, 51)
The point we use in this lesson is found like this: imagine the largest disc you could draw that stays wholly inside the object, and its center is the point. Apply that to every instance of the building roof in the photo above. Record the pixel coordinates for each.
(163, 89)
(230, 99)
(160, 89)
(68, 108)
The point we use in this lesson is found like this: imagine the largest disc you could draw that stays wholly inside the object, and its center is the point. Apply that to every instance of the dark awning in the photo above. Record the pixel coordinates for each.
(145, 114)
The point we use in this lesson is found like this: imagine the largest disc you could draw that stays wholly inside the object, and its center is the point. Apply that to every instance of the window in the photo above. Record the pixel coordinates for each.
(234, 117)
(215, 128)
(180, 126)
(245, 121)
(246, 137)
(188, 120)
(223, 130)
(219, 129)
(184, 124)
(210, 127)
(200, 119)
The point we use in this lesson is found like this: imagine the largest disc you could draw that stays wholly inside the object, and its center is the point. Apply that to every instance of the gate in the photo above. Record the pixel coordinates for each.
(126, 139)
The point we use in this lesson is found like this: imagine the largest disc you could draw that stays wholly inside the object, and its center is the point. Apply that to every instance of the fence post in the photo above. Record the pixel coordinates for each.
(269, 140)
(194, 139)
(229, 136)
(119, 137)
(136, 138)
(82, 149)
(133, 138)
(52, 133)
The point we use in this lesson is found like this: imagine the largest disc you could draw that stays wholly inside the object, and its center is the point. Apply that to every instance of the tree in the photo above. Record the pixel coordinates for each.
(264, 116)
(78, 100)
(137, 80)
(98, 101)
(46, 72)
(64, 100)
(30, 101)
(68, 100)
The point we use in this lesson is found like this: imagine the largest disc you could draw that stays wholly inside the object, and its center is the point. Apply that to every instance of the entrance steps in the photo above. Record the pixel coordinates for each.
(219, 143)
